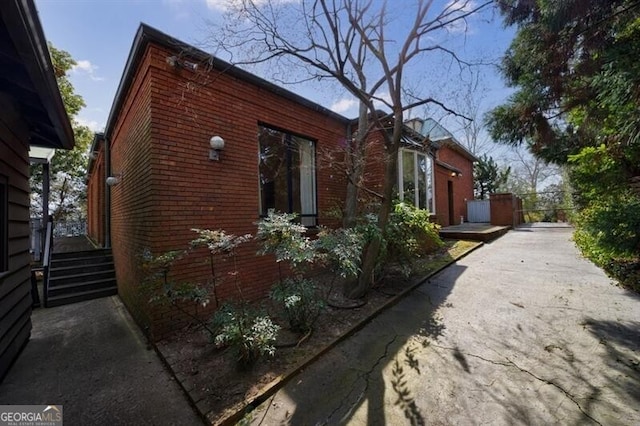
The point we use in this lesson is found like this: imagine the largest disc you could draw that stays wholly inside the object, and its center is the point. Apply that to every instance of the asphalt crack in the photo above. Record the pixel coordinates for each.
(366, 375)
(510, 363)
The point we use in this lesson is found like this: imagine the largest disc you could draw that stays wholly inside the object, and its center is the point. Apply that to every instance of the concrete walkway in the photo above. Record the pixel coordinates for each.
(522, 331)
(91, 358)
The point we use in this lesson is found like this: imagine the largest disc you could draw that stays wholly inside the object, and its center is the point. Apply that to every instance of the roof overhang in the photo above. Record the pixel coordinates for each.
(28, 76)
(449, 167)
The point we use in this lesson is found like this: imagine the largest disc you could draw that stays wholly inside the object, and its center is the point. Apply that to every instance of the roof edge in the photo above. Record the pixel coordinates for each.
(147, 34)
(24, 27)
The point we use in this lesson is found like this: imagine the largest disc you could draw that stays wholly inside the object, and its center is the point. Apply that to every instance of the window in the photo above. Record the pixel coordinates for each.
(287, 174)
(415, 176)
(4, 225)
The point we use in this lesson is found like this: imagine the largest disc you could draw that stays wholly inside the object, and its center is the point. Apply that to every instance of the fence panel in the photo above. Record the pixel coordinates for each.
(35, 228)
(70, 228)
(478, 211)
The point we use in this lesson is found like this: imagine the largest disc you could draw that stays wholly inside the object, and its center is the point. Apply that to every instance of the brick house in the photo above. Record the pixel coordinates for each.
(163, 177)
(31, 115)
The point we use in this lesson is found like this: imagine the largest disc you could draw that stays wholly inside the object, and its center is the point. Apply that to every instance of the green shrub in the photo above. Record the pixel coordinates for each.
(300, 303)
(608, 227)
(410, 233)
(607, 233)
(161, 288)
(340, 250)
(626, 271)
(281, 236)
(250, 334)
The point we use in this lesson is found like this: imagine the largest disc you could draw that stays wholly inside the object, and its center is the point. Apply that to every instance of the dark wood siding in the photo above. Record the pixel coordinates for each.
(15, 297)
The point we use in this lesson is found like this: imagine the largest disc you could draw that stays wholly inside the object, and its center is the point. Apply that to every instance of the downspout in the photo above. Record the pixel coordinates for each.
(107, 194)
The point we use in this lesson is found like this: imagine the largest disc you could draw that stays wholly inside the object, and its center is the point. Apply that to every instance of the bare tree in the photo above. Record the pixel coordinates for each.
(351, 42)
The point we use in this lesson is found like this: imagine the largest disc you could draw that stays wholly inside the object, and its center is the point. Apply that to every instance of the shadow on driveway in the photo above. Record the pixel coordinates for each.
(521, 331)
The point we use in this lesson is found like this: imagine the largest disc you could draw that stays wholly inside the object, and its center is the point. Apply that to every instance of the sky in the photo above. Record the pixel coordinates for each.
(99, 33)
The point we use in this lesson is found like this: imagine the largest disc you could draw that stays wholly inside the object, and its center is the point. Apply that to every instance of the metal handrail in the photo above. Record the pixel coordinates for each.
(48, 248)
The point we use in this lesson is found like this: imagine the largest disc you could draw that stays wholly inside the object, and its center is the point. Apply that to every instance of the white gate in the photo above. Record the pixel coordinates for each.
(478, 211)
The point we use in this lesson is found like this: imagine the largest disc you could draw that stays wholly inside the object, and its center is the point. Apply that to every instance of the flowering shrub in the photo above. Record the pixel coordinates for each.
(251, 335)
(340, 250)
(219, 243)
(281, 236)
(300, 303)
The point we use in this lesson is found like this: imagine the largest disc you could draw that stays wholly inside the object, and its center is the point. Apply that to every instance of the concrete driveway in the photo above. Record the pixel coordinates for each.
(521, 331)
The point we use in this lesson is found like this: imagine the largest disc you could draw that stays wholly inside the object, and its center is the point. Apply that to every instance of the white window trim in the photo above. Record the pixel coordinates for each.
(431, 209)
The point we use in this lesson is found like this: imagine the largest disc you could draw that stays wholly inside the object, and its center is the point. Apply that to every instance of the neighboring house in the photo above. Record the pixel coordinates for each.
(194, 142)
(31, 114)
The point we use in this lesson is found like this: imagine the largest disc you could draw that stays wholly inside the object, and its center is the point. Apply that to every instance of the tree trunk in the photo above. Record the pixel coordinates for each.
(372, 250)
(356, 152)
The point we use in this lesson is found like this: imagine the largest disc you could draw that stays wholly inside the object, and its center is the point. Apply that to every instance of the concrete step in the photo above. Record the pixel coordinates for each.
(81, 277)
(61, 263)
(56, 271)
(66, 289)
(66, 299)
(80, 254)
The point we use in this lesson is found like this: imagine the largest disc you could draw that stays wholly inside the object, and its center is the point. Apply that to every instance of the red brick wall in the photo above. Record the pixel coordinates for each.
(462, 185)
(168, 186)
(160, 152)
(95, 199)
(506, 209)
(135, 220)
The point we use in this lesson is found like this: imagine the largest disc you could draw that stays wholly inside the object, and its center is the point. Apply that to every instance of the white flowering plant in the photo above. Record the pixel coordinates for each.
(300, 303)
(249, 333)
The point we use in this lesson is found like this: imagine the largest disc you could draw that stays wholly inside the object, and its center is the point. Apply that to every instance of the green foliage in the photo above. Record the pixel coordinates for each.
(410, 233)
(68, 167)
(218, 241)
(340, 250)
(487, 177)
(595, 174)
(609, 217)
(578, 91)
(300, 302)
(281, 236)
(576, 77)
(608, 227)
(63, 62)
(250, 334)
(161, 288)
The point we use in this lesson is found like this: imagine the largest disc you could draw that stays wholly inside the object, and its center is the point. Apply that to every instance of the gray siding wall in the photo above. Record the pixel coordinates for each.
(15, 296)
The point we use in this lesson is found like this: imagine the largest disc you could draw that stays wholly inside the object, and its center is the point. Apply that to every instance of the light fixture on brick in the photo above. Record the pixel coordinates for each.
(113, 180)
(217, 144)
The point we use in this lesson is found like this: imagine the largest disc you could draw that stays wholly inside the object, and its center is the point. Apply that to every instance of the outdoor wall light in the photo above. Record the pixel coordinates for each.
(112, 180)
(217, 144)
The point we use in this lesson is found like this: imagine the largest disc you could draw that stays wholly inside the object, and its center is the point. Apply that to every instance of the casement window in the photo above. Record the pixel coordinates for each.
(415, 179)
(4, 224)
(287, 174)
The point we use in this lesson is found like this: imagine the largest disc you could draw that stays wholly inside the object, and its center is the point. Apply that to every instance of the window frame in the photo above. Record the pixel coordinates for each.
(429, 176)
(289, 139)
